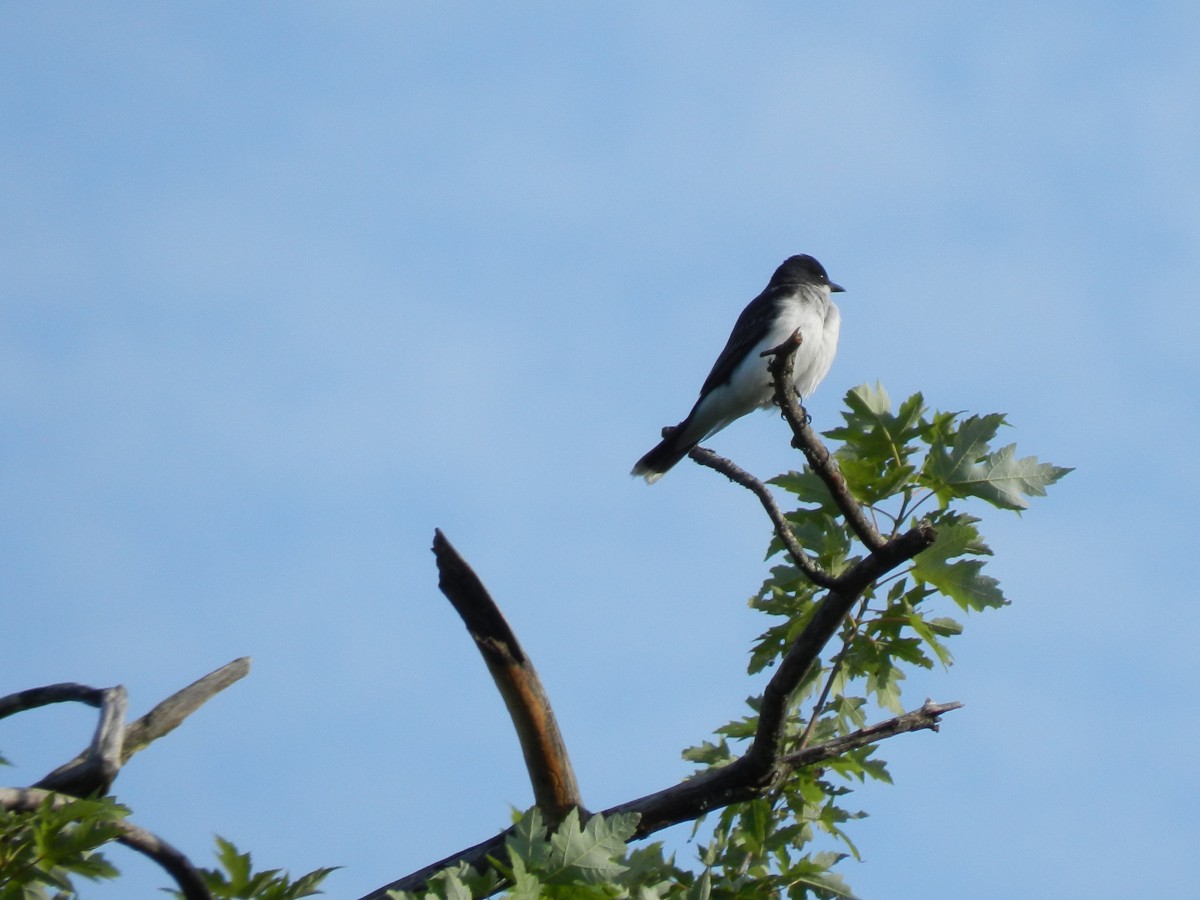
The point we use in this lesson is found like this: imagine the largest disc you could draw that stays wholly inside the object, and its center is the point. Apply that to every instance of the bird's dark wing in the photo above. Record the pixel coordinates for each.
(751, 327)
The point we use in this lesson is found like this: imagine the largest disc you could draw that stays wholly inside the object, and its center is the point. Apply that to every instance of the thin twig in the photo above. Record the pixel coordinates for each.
(145, 842)
(783, 529)
(835, 667)
(926, 717)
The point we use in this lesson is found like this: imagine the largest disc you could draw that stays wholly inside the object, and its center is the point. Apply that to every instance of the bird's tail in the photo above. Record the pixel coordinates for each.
(674, 446)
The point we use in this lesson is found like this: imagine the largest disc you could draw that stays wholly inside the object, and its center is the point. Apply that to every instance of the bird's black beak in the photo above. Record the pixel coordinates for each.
(836, 288)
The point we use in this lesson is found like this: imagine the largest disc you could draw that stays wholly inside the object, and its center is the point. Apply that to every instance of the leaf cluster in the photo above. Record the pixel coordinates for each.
(235, 879)
(579, 860)
(42, 850)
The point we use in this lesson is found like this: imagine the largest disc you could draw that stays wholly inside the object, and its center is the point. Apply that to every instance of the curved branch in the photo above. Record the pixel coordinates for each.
(555, 789)
(783, 530)
(178, 866)
(64, 692)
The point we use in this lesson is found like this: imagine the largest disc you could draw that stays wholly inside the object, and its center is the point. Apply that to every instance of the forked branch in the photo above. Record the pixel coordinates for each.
(766, 764)
(763, 766)
(93, 771)
(89, 773)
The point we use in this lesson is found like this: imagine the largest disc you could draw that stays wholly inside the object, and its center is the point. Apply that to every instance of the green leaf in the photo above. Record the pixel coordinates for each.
(807, 487)
(1005, 481)
(528, 840)
(871, 429)
(962, 581)
(961, 464)
(594, 851)
(814, 874)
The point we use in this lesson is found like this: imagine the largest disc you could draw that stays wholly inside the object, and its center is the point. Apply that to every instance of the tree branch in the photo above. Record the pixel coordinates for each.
(824, 624)
(783, 530)
(927, 716)
(52, 693)
(555, 790)
(145, 842)
(83, 775)
(94, 770)
(764, 765)
(169, 715)
(709, 790)
(804, 439)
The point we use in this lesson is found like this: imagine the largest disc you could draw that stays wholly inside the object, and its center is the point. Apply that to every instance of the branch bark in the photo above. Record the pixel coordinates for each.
(86, 774)
(94, 770)
(178, 866)
(169, 715)
(804, 439)
(64, 692)
(555, 789)
(783, 530)
(710, 790)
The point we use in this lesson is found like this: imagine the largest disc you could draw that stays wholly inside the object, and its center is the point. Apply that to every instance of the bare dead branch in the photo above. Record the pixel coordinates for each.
(79, 776)
(94, 771)
(64, 692)
(927, 716)
(783, 530)
(168, 715)
(734, 783)
(178, 866)
(555, 790)
(804, 439)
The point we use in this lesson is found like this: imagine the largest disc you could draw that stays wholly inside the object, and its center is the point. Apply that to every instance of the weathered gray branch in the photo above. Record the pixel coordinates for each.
(64, 692)
(84, 775)
(94, 770)
(168, 715)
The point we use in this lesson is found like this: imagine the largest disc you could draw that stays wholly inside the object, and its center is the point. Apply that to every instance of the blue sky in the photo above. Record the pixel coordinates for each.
(284, 287)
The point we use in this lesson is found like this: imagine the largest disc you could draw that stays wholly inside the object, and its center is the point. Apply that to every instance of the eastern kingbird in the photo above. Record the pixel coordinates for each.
(797, 296)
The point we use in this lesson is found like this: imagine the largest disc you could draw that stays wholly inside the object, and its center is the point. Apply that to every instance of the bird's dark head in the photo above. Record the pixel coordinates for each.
(802, 269)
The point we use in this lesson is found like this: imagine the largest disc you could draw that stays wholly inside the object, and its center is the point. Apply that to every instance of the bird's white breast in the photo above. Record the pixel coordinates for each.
(819, 321)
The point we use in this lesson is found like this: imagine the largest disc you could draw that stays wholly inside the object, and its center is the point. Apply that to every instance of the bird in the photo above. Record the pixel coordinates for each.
(796, 297)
